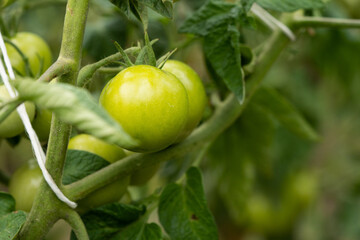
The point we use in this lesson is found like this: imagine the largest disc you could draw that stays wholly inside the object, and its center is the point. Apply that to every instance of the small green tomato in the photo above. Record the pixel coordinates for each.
(34, 48)
(24, 185)
(12, 125)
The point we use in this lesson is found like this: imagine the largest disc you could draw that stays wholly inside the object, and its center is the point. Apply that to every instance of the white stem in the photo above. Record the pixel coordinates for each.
(271, 21)
(39, 153)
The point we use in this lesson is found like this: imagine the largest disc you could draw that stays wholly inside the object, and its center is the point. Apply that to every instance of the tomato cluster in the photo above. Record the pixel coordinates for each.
(156, 107)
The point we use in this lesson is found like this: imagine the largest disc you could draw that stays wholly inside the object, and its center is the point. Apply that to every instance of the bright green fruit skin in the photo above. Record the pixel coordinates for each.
(111, 153)
(150, 104)
(42, 124)
(13, 125)
(34, 48)
(195, 91)
(24, 185)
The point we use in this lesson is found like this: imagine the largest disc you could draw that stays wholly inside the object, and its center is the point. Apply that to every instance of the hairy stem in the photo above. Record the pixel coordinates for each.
(47, 208)
(73, 218)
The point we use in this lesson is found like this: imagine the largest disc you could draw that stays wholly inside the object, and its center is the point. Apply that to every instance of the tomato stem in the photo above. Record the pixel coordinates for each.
(325, 22)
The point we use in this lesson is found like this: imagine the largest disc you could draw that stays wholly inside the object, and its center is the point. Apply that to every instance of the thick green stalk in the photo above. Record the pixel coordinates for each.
(224, 116)
(47, 208)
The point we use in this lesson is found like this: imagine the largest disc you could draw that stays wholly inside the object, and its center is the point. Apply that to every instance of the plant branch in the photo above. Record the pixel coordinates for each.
(325, 22)
(61, 67)
(88, 71)
(77, 225)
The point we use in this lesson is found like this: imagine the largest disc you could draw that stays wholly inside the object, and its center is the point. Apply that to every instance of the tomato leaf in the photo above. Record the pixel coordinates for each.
(75, 106)
(217, 22)
(10, 224)
(107, 221)
(7, 203)
(79, 164)
(285, 113)
(183, 210)
(140, 230)
(163, 7)
(290, 5)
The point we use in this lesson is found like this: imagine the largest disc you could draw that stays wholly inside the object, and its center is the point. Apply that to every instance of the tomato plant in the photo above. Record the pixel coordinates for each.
(150, 104)
(34, 48)
(264, 135)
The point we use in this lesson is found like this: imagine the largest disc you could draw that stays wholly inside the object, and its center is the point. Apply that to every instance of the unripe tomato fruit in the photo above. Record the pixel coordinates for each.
(195, 91)
(150, 104)
(13, 125)
(42, 124)
(34, 48)
(24, 185)
(111, 153)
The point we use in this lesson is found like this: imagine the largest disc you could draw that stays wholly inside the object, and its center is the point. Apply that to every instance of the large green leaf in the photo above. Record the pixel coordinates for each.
(183, 210)
(79, 164)
(77, 107)
(107, 221)
(285, 112)
(217, 22)
(140, 230)
(290, 5)
(7, 203)
(10, 224)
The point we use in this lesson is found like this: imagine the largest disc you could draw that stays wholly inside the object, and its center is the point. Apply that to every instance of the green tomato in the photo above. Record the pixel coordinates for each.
(13, 125)
(150, 104)
(34, 48)
(24, 185)
(195, 90)
(111, 153)
(42, 124)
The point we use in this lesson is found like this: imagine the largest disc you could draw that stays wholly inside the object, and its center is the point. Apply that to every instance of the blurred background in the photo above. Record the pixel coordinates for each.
(261, 180)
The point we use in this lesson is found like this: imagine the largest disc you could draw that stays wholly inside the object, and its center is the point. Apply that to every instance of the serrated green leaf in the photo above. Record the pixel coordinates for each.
(140, 230)
(217, 22)
(285, 112)
(223, 52)
(77, 107)
(108, 220)
(183, 210)
(163, 7)
(247, 4)
(79, 164)
(290, 5)
(7, 203)
(10, 224)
